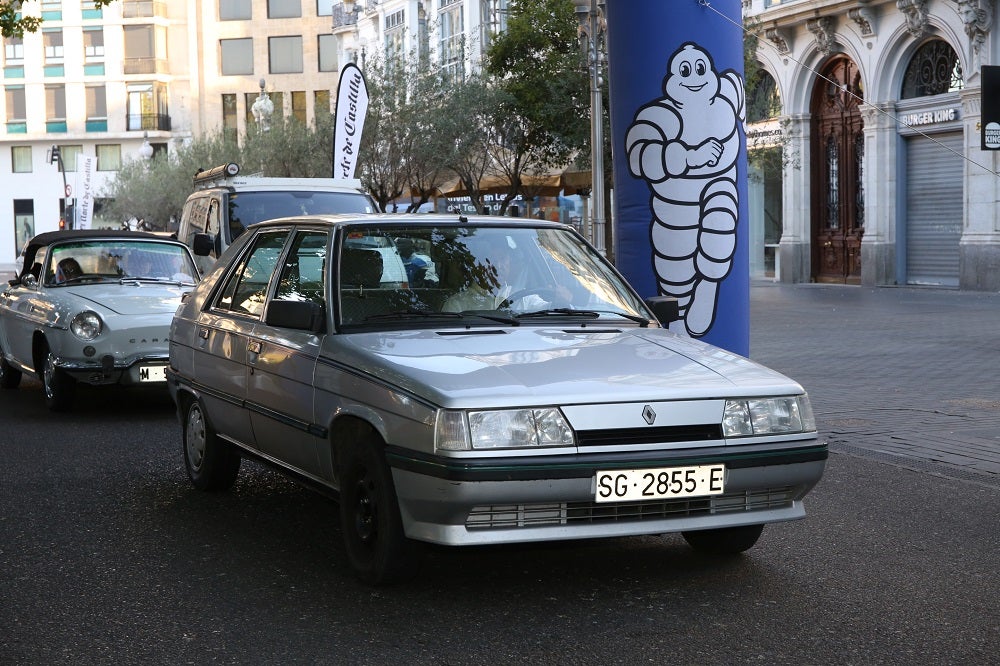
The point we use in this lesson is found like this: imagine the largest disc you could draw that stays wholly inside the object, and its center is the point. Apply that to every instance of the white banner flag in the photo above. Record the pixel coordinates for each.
(352, 107)
(84, 191)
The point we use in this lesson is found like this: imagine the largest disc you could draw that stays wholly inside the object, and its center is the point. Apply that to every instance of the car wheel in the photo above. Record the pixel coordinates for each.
(10, 377)
(376, 546)
(212, 463)
(724, 541)
(59, 387)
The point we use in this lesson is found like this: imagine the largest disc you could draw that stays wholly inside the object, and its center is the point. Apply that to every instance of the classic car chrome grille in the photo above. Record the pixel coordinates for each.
(661, 435)
(504, 516)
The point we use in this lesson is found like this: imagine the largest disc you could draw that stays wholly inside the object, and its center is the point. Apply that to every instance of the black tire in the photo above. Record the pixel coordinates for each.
(10, 377)
(724, 541)
(212, 463)
(376, 546)
(59, 387)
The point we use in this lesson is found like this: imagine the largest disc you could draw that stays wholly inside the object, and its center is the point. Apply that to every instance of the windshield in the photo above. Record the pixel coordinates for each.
(246, 208)
(476, 274)
(115, 259)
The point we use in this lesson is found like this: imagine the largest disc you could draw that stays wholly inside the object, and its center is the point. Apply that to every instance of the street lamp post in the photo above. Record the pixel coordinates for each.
(146, 149)
(590, 14)
(262, 109)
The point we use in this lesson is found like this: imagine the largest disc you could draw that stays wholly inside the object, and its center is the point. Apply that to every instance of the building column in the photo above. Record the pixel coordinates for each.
(878, 245)
(979, 247)
(794, 249)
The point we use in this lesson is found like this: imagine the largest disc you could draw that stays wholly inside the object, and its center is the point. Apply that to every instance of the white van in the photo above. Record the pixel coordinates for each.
(224, 204)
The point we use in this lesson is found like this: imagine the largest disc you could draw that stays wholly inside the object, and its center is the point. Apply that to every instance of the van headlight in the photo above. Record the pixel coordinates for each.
(501, 429)
(768, 416)
(86, 325)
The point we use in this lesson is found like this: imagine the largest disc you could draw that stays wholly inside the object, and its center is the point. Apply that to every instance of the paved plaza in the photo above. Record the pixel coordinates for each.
(908, 375)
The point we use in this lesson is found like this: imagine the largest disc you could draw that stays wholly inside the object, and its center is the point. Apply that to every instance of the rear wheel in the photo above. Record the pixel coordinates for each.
(59, 386)
(10, 376)
(376, 546)
(724, 541)
(212, 463)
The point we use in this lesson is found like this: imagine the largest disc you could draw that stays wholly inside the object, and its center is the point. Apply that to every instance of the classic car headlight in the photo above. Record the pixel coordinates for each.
(501, 429)
(86, 325)
(768, 416)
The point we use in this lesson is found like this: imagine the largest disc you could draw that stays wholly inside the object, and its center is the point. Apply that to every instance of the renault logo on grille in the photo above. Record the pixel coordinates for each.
(648, 414)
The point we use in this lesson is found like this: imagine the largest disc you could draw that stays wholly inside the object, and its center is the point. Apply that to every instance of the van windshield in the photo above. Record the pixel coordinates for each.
(246, 208)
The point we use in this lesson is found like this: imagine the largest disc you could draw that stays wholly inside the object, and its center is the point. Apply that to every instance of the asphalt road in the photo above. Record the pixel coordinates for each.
(107, 555)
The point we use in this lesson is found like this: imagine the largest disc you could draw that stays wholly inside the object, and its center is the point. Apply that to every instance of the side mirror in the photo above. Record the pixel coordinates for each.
(300, 315)
(28, 280)
(665, 308)
(203, 245)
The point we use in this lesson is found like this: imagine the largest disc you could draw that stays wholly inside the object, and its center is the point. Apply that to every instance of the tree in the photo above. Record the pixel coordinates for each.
(543, 117)
(14, 24)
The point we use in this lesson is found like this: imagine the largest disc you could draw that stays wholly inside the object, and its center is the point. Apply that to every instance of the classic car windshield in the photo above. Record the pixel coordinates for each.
(97, 260)
(486, 273)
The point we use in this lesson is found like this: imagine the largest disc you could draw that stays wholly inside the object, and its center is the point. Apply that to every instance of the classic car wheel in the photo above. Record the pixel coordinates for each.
(212, 463)
(376, 547)
(59, 386)
(724, 541)
(10, 376)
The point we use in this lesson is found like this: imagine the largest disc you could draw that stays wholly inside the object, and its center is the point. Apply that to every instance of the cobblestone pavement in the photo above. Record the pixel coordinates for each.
(908, 375)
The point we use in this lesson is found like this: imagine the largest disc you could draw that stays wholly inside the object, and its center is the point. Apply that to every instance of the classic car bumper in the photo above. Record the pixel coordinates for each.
(147, 369)
(500, 501)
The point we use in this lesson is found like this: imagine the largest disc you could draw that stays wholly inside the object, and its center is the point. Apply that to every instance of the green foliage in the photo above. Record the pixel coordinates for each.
(14, 24)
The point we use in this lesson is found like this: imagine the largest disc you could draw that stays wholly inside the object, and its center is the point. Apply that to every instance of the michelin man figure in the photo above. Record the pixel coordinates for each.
(685, 146)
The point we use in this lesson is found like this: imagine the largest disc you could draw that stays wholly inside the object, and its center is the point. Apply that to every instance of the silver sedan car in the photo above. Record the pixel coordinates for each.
(92, 306)
(515, 388)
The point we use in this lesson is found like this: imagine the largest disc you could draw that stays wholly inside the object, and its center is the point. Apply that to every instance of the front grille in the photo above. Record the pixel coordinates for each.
(660, 435)
(505, 516)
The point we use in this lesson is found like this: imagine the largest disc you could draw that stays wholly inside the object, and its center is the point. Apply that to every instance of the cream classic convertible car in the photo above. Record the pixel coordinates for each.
(93, 307)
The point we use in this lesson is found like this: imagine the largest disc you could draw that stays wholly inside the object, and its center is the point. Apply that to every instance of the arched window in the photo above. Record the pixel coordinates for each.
(933, 70)
(763, 101)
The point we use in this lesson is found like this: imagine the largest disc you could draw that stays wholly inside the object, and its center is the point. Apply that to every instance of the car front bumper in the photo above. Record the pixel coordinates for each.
(147, 369)
(476, 502)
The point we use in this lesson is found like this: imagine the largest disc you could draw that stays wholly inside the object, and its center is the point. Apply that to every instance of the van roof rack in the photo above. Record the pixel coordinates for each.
(209, 178)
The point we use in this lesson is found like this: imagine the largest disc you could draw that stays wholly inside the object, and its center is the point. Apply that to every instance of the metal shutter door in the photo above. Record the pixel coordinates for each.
(933, 209)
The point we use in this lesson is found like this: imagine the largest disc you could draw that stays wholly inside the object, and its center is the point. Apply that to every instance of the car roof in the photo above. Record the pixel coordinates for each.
(415, 219)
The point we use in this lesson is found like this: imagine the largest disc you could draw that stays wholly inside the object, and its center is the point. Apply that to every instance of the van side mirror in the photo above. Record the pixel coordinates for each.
(300, 315)
(203, 245)
(665, 308)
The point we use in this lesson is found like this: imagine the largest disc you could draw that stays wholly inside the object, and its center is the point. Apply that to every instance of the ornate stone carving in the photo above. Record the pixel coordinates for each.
(977, 15)
(822, 28)
(777, 37)
(865, 18)
(915, 12)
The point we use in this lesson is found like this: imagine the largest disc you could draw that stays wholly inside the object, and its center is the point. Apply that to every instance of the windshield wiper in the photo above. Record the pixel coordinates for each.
(411, 313)
(157, 280)
(589, 314)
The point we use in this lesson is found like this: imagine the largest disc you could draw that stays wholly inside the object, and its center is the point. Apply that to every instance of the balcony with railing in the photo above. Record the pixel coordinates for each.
(144, 9)
(147, 121)
(146, 66)
(342, 20)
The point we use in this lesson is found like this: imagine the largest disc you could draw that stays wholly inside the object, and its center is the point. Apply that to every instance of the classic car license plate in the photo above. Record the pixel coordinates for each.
(629, 485)
(152, 373)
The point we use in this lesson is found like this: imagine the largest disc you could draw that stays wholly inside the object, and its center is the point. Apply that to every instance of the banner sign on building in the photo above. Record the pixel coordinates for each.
(84, 189)
(677, 122)
(352, 107)
(990, 123)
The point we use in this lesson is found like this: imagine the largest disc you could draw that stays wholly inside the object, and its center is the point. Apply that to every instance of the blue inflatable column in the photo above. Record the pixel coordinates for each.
(677, 125)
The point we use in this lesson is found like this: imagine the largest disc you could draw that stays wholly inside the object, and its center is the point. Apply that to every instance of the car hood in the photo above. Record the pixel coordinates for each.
(527, 365)
(130, 298)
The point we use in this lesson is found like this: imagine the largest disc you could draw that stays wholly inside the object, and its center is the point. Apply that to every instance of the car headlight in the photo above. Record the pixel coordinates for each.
(768, 416)
(86, 325)
(501, 429)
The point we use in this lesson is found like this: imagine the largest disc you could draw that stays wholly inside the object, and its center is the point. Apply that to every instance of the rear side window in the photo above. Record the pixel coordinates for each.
(303, 275)
(246, 287)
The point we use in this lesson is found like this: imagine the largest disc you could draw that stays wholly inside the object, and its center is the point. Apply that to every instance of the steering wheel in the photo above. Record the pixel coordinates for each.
(547, 294)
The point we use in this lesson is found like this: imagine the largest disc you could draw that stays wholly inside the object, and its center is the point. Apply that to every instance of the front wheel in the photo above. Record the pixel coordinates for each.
(212, 463)
(58, 385)
(376, 546)
(724, 541)
(10, 377)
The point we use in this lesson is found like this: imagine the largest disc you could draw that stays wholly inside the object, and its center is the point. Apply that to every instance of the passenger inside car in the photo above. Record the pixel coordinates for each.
(68, 269)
